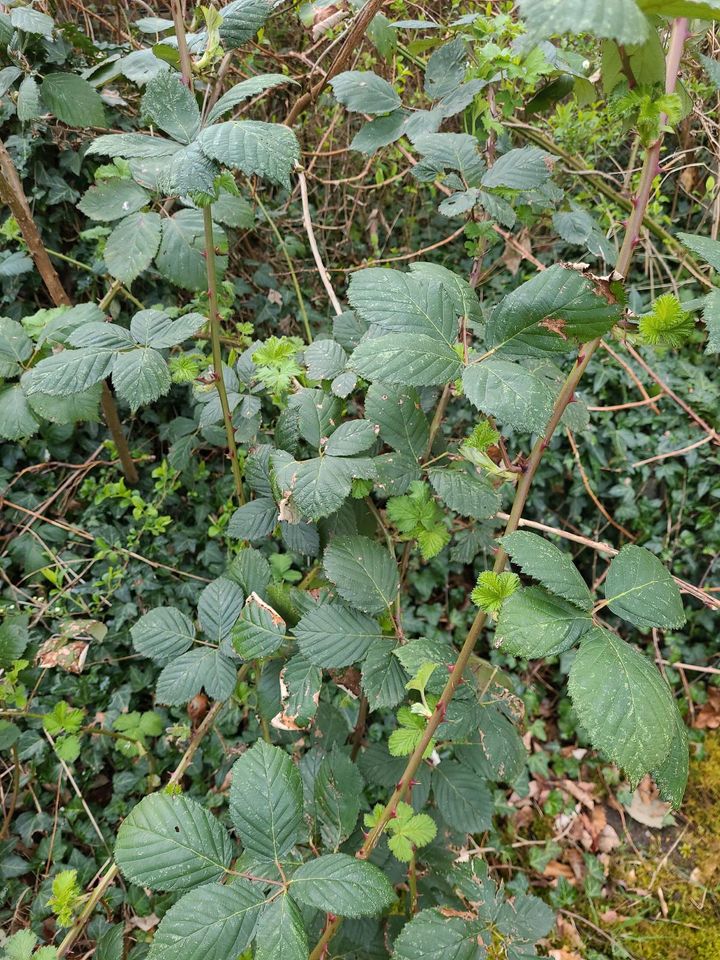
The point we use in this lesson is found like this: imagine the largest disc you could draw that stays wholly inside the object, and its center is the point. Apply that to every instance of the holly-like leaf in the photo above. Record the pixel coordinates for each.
(172, 843)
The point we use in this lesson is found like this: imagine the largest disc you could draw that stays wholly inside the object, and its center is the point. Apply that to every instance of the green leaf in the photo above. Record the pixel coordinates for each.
(70, 371)
(15, 347)
(267, 150)
(416, 360)
(533, 623)
(383, 679)
(525, 918)
(638, 588)
(32, 21)
(187, 172)
(364, 573)
(13, 639)
(241, 20)
(364, 92)
(68, 409)
(333, 635)
(623, 702)
(245, 90)
(340, 884)
(432, 936)
(464, 801)
(163, 634)
(544, 314)
(132, 146)
(171, 106)
(140, 376)
(325, 359)
(180, 257)
(465, 491)
(400, 302)
(201, 667)
(397, 413)
(699, 9)
(463, 296)
(304, 681)
(448, 151)
(671, 775)
(281, 932)
(172, 843)
(132, 245)
(213, 922)
(552, 567)
(446, 68)
(351, 437)
(711, 316)
(153, 328)
(510, 392)
(500, 754)
(255, 520)
(338, 791)
(260, 630)
(525, 168)
(219, 607)
(73, 100)
(493, 589)
(319, 487)
(29, 101)
(112, 199)
(266, 801)
(620, 20)
(16, 416)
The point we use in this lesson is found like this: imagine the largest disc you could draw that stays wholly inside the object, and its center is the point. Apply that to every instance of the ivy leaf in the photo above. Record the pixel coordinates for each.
(73, 100)
(638, 588)
(340, 884)
(399, 417)
(544, 314)
(364, 573)
(533, 623)
(201, 667)
(112, 199)
(163, 634)
(332, 635)
(623, 703)
(245, 90)
(212, 922)
(465, 491)
(172, 843)
(266, 801)
(132, 245)
(415, 361)
(171, 106)
(400, 302)
(260, 630)
(140, 376)
(267, 150)
(281, 932)
(510, 392)
(552, 567)
(464, 801)
(338, 791)
(362, 91)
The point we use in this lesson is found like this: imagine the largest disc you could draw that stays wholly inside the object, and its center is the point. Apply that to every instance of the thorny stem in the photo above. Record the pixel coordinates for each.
(217, 352)
(12, 194)
(564, 398)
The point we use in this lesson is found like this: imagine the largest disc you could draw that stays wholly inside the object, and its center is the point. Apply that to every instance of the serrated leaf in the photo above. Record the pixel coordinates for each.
(440, 152)
(15, 347)
(29, 101)
(245, 90)
(463, 296)
(255, 520)
(397, 412)
(112, 199)
(500, 754)
(281, 932)
(711, 316)
(432, 936)
(140, 376)
(383, 679)
(333, 635)
(172, 843)
(671, 775)
(153, 328)
(180, 256)
(533, 623)
(399, 302)
(266, 801)
(16, 415)
(364, 92)
(68, 409)
(70, 371)
(619, 20)
(338, 791)
(364, 573)
(132, 245)
(187, 172)
(325, 359)
(200, 668)
(319, 487)
(171, 106)
(510, 392)
(163, 634)
(465, 491)
(446, 68)
(260, 630)
(241, 20)
(32, 21)
(464, 801)
(525, 918)
(525, 168)
(73, 100)
(303, 680)
(212, 922)
(340, 884)
(552, 567)
(623, 703)
(543, 315)
(267, 150)
(638, 588)
(132, 146)
(219, 607)
(351, 437)
(410, 360)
